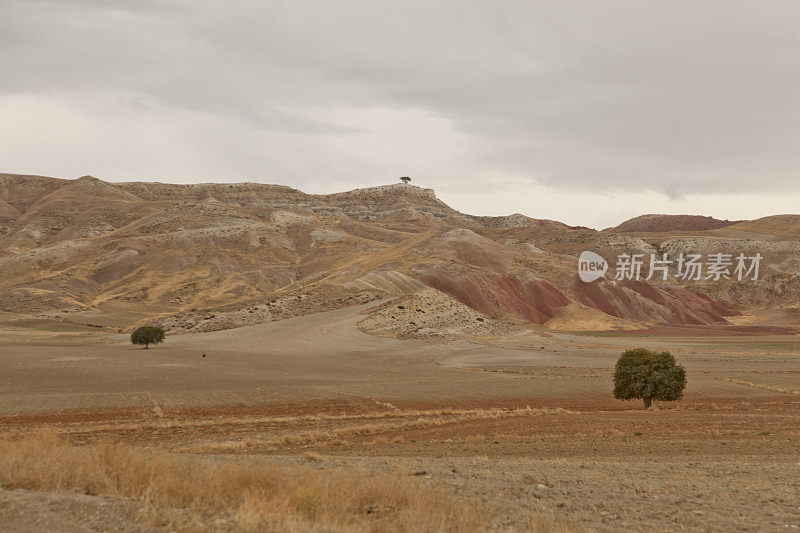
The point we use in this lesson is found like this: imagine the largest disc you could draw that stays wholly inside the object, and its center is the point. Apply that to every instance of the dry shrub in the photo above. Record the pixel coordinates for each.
(312, 456)
(188, 493)
(536, 480)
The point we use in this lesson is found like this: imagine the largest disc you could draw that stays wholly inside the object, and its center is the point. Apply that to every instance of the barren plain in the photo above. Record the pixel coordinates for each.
(377, 361)
(521, 426)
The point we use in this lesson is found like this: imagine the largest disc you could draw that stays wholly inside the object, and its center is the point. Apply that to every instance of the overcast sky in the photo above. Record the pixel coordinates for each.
(587, 112)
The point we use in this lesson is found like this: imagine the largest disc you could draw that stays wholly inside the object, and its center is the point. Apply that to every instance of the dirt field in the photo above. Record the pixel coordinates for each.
(523, 427)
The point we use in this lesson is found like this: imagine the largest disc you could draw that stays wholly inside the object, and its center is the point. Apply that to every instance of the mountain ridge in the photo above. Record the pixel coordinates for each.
(181, 253)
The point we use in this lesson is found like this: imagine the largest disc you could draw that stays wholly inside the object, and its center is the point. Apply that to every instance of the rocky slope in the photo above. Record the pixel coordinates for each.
(215, 256)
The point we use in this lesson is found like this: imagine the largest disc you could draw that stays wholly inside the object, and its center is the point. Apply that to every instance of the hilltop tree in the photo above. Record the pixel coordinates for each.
(648, 375)
(147, 335)
(405, 179)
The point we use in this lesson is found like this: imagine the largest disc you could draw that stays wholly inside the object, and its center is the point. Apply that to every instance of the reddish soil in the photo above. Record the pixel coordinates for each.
(536, 301)
(705, 330)
(640, 300)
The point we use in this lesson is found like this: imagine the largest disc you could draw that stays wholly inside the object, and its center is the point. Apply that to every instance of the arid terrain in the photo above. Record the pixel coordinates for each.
(375, 360)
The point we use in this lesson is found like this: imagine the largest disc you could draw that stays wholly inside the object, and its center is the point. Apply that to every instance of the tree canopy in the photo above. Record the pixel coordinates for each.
(648, 375)
(147, 335)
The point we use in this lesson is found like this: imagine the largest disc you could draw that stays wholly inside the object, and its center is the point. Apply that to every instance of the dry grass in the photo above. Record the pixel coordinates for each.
(395, 422)
(169, 422)
(761, 386)
(312, 456)
(187, 493)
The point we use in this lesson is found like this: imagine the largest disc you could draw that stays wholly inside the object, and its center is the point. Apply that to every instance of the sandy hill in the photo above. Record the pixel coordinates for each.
(777, 226)
(215, 256)
(668, 223)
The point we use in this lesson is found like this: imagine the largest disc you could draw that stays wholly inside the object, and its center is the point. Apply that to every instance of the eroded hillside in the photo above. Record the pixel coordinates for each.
(215, 256)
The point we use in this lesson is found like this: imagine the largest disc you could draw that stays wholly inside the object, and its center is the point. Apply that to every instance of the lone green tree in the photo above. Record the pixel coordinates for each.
(648, 375)
(147, 335)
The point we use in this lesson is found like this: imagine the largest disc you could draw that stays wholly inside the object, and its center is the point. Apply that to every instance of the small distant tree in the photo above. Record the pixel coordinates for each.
(405, 179)
(147, 335)
(648, 375)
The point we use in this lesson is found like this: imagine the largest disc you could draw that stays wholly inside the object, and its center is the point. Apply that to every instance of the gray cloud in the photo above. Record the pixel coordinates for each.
(678, 98)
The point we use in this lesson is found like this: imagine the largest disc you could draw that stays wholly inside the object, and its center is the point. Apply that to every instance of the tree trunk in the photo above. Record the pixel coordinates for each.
(647, 402)
(146, 346)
